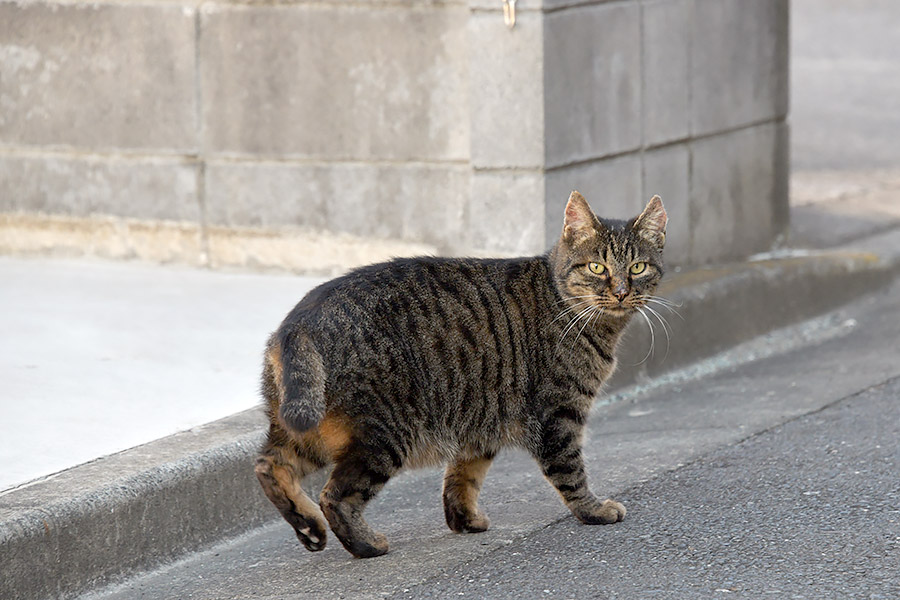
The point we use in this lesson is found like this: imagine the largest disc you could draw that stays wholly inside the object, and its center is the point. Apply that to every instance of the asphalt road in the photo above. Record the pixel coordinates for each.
(776, 477)
(807, 510)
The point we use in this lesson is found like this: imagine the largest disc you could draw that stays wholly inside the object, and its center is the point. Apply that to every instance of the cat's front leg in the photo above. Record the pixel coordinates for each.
(559, 455)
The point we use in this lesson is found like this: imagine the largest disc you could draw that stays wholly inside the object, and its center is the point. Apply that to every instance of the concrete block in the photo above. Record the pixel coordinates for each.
(506, 214)
(266, 195)
(392, 85)
(666, 172)
(421, 203)
(93, 76)
(739, 63)
(733, 188)
(612, 188)
(507, 97)
(666, 70)
(155, 189)
(592, 65)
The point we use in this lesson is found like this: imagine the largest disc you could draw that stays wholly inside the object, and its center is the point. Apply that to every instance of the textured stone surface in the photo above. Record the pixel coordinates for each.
(666, 172)
(733, 186)
(507, 93)
(612, 188)
(336, 82)
(80, 187)
(739, 63)
(507, 212)
(591, 82)
(666, 70)
(424, 203)
(91, 75)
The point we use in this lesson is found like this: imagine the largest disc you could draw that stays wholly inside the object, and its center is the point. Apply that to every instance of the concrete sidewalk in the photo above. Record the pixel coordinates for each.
(101, 357)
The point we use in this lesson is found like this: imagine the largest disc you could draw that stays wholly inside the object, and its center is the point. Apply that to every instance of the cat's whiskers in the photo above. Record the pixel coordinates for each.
(567, 298)
(661, 319)
(659, 298)
(573, 322)
(664, 299)
(641, 312)
(663, 302)
(666, 328)
(598, 311)
(569, 309)
(667, 307)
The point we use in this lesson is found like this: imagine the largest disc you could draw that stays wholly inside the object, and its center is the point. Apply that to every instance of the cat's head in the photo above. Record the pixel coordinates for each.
(609, 263)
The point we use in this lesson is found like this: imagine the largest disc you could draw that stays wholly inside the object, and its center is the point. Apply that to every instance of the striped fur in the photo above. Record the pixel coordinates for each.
(438, 360)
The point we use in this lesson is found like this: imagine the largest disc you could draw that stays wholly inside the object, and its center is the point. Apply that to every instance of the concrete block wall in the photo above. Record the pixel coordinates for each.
(315, 135)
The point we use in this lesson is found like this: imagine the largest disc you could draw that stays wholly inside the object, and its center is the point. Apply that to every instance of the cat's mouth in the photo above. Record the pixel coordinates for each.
(619, 310)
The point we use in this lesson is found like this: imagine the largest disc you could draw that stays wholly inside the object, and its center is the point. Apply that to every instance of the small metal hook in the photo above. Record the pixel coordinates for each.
(509, 13)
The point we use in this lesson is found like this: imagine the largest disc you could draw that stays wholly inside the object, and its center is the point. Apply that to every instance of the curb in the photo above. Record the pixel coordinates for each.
(94, 524)
(81, 528)
(723, 306)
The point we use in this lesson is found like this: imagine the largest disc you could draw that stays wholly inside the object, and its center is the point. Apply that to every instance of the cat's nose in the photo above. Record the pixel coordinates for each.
(620, 291)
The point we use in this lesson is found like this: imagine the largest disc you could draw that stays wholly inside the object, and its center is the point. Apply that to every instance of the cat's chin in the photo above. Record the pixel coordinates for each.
(619, 312)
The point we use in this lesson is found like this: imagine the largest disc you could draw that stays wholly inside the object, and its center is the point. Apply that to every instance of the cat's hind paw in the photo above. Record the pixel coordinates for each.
(311, 533)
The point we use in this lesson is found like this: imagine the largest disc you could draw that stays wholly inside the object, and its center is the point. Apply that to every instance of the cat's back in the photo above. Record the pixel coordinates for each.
(432, 324)
(422, 292)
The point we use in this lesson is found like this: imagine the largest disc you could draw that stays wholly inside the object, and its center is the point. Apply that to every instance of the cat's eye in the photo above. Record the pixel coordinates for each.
(597, 268)
(638, 268)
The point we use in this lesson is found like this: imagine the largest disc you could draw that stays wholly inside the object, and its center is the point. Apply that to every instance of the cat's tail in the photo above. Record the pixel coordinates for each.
(299, 374)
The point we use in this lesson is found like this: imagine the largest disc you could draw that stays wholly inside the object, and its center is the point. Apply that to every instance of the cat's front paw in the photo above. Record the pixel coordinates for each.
(604, 513)
(367, 548)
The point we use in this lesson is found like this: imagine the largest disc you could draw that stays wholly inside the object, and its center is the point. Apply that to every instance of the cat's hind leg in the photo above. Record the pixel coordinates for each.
(362, 469)
(462, 484)
(280, 469)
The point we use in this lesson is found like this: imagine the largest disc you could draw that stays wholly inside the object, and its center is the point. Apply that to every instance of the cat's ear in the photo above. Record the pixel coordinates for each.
(580, 222)
(651, 224)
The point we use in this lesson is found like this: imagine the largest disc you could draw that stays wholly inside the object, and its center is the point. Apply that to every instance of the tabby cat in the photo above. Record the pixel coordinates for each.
(435, 360)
